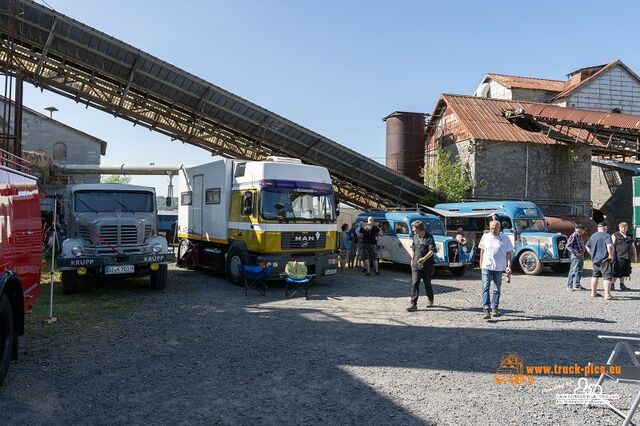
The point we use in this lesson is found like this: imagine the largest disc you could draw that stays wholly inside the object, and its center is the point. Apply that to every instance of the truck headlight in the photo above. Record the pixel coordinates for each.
(332, 261)
(77, 251)
(157, 248)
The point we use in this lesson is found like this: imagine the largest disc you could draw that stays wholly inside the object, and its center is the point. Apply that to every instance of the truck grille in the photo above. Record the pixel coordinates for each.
(561, 245)
(303, 240)
(147, 232)
(453, 250)
(85, 233)
(128, 234)
(109, 234)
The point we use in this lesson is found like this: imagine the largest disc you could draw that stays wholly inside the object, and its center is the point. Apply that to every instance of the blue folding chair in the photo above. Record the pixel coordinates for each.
(255, 276)
(296, 279)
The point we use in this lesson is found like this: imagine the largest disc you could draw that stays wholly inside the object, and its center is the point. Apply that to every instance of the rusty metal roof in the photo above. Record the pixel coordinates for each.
(483, 119)
(515, 81)
(576, 115)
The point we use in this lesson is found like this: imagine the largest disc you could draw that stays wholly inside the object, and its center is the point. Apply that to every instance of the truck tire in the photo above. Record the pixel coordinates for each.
(70, 282)
(458, 271)
(530, 263)
(6, 335)
(236, 259)
(159, 278)
(561, 268)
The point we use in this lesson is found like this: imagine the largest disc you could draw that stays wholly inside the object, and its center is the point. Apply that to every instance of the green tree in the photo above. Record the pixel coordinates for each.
(449, 177)
(116, 179)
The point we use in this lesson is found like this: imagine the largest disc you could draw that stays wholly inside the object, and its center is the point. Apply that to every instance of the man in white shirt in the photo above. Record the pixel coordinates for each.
(495, 259)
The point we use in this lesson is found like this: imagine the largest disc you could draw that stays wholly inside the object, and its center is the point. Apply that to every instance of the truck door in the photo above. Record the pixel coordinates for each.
(385, 240)
(195, 212)
(402, 243)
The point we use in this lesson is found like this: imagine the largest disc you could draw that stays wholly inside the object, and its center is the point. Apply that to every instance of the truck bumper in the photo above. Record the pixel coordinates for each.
(318, 264)
(98, 262)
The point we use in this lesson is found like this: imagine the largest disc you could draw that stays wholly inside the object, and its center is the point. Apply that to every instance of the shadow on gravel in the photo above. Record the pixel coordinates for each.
(230, 363)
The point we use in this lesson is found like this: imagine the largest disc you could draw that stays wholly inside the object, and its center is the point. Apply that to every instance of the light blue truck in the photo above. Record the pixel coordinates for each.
(522, 221)
(395, 242)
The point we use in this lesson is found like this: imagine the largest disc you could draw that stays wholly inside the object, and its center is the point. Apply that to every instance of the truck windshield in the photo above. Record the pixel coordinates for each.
(434, 226)
(530, 225)
(110, 201)
(296, 205)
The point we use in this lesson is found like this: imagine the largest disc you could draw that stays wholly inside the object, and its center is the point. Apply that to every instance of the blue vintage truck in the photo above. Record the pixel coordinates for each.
(522, 221)
(395, 242)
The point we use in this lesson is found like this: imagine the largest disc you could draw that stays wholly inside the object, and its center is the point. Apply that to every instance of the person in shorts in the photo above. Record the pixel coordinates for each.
(625, 252)
(600, 247)
(370, 233)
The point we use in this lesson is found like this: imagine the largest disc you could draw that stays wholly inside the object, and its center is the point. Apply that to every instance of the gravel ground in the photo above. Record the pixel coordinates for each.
(202, 352)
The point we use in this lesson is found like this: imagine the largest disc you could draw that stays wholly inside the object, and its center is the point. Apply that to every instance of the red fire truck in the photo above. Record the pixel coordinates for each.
(20, 252)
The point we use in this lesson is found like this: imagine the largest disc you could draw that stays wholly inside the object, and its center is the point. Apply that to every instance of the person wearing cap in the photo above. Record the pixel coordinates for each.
(575, 245)
(625, 252)
(600, 247)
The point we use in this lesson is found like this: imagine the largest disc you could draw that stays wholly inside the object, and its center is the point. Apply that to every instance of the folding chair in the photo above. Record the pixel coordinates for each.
(296, 278)
(254, 276)
(628, 375)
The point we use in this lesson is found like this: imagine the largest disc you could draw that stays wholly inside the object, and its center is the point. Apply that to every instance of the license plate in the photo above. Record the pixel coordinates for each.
(565, 260)
(455, 264)
(119, 269)
(331, 272)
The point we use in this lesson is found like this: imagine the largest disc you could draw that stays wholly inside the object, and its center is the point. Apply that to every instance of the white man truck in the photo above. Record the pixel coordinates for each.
(234, 213)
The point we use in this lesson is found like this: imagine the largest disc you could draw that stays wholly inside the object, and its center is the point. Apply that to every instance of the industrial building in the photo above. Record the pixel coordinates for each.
(47, 143)
(547, 159)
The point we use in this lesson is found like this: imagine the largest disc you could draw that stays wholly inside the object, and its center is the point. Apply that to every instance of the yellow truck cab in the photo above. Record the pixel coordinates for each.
(235, 213)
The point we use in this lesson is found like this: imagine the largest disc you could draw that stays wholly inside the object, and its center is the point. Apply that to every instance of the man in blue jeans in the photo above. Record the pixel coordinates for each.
(495, 259)
(575, 245)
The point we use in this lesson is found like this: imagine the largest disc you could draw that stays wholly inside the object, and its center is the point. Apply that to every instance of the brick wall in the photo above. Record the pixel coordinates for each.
(498, 91)
(614, 89)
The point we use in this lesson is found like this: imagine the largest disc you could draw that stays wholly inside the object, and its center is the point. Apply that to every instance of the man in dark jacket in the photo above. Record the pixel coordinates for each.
(423, 248)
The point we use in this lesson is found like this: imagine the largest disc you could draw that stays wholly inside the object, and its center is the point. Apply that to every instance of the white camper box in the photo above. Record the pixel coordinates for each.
(208, 190)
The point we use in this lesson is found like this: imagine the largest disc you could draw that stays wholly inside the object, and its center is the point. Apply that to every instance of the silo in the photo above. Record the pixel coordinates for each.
(405, 143)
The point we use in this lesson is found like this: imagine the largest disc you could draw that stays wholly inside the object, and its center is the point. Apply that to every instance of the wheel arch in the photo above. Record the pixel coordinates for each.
(11, 285)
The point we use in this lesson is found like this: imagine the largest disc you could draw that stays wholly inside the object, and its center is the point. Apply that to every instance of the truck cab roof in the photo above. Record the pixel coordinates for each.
(109, 187)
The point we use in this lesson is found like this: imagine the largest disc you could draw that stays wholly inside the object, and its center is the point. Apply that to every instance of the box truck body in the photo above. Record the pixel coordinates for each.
(235, 213)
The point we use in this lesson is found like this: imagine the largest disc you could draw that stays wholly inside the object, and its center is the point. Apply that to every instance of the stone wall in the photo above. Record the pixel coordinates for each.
(558, 177)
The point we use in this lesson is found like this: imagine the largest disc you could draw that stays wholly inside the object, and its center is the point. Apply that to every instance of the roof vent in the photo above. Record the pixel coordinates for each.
(284, 160)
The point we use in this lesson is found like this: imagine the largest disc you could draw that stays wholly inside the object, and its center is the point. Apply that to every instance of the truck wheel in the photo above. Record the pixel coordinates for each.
(70, 282)
(530, 263)
(561, 268)
(458, 271)
(235, 263)
(159, 278)
(182, 260)
(6, 335)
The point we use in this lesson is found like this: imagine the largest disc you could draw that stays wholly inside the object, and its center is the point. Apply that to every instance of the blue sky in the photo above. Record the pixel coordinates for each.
(338, 67)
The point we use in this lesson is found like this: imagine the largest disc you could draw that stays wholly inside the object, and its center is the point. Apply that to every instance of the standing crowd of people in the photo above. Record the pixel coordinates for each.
(611, 256)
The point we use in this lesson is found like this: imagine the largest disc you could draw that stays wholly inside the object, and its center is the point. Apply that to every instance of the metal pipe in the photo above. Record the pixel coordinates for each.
(123, 169)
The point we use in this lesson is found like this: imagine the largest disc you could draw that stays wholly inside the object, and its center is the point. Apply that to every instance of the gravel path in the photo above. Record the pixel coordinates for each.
(202, 352)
